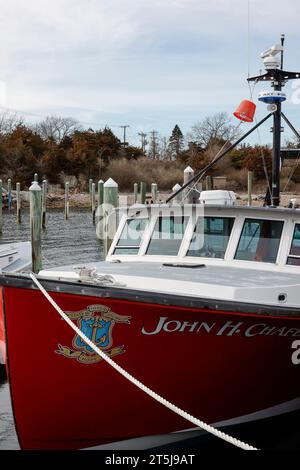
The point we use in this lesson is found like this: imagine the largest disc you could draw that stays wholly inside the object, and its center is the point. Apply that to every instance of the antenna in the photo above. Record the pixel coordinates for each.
(282, 52)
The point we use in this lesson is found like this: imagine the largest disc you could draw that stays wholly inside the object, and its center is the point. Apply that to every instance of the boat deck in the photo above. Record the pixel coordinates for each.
(205, 281)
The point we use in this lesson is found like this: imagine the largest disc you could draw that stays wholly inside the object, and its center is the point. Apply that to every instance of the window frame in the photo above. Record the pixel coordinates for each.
(151, 232)
(118, 234)
(290, 247)
(233, 217)
(259, 263)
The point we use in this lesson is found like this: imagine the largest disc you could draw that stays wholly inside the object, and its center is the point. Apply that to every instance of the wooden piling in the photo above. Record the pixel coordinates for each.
(111, 200)
(90, 190)
(18, 190)
(9, 194)
(154, 192)
(209, 183)
(93, 202)
(250, 186)
(67, 202)
(178, 198)
(100, 193)
(143, 190)
(36, 226)
(188, 192)
(44, 203)
(1, 204)
(135, 193)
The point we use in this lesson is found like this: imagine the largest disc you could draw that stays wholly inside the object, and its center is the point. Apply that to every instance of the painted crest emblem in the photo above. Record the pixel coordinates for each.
(97, 323)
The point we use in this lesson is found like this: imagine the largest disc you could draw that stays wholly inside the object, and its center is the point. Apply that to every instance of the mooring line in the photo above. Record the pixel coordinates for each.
(201, 424)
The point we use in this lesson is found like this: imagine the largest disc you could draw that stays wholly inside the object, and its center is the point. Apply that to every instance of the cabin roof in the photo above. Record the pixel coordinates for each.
(236, 208)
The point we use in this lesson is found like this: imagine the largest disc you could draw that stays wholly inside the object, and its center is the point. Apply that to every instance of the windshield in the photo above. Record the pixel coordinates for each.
(167, 235)
(260, 240)
(130, 239)
(211, 237)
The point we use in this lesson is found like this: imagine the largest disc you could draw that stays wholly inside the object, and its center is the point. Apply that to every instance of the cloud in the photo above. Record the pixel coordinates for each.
(143, 59)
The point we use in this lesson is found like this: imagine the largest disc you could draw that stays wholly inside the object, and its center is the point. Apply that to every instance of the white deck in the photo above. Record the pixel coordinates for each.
(210, 282)
(265, 283)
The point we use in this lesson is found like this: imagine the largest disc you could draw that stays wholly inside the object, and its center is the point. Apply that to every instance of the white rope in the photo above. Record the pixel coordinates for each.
(137, 383)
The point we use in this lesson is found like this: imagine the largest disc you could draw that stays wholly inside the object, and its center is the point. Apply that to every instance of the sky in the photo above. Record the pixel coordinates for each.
(150, 64)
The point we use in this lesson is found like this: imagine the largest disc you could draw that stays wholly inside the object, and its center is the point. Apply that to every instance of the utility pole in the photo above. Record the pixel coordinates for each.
(143, 140)
(154, 145)
(124, 128)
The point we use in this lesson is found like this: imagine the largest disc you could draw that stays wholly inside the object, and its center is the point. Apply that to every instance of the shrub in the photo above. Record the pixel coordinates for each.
(127, 172)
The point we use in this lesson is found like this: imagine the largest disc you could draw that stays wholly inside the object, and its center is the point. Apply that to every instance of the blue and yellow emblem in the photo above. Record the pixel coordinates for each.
(97, 323)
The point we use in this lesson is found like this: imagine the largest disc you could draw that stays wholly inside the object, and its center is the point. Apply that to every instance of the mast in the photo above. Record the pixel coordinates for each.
(276, 154)
(273, 61)
(274, 99)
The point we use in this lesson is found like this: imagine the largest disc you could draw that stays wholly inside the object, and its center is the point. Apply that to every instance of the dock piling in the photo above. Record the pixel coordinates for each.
(100, 193)
(44, 203)
(135, 193)
(18, 190)
(93, 196)
(36, 226)
(178, 198)
(154, 192)
(188, 174)
(67, 202)
(111, 199)
(9, 194)
(90, 190)
(250, 186)
(143, 189)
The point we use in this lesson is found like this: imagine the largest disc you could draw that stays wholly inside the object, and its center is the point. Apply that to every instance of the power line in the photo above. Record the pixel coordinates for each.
(144, 142)
(124, 128)
(154, 145)
(43, 116)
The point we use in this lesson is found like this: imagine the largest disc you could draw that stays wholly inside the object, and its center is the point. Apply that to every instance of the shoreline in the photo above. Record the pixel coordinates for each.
(82, 200)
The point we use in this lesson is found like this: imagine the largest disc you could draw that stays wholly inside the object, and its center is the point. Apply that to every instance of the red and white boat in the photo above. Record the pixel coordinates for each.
(198, 302)
(214, 330)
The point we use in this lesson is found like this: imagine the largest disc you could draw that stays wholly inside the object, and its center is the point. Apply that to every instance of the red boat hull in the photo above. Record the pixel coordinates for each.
(216, 365)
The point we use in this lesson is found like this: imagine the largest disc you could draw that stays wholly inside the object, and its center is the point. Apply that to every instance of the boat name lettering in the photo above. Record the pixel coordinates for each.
(296, 354)
(229, 328)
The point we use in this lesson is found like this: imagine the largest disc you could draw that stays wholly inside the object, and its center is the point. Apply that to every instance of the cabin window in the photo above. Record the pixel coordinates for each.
(211, 237)
(294, 256)
(167, 236)
(260, 241)
(130, 239)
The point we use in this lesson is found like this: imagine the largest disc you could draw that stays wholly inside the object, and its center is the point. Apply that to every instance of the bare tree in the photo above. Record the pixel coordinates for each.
(214, 129)
(57, 127)
(9, 121)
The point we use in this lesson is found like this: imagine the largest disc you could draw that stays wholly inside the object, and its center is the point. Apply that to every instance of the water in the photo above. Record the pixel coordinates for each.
(64, 242)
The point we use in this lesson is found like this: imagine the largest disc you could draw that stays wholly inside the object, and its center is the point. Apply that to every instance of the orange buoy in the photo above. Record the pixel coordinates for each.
(246, 111)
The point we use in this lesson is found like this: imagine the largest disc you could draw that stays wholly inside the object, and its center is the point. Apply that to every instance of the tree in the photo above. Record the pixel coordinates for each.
(57, 128)
(216, 129)
(54, 162)
(9, 121)
(133, 153)
(22, 149)
(175, 146)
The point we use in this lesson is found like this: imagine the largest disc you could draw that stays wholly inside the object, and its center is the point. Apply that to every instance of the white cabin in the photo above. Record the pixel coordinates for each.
(232, 253)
